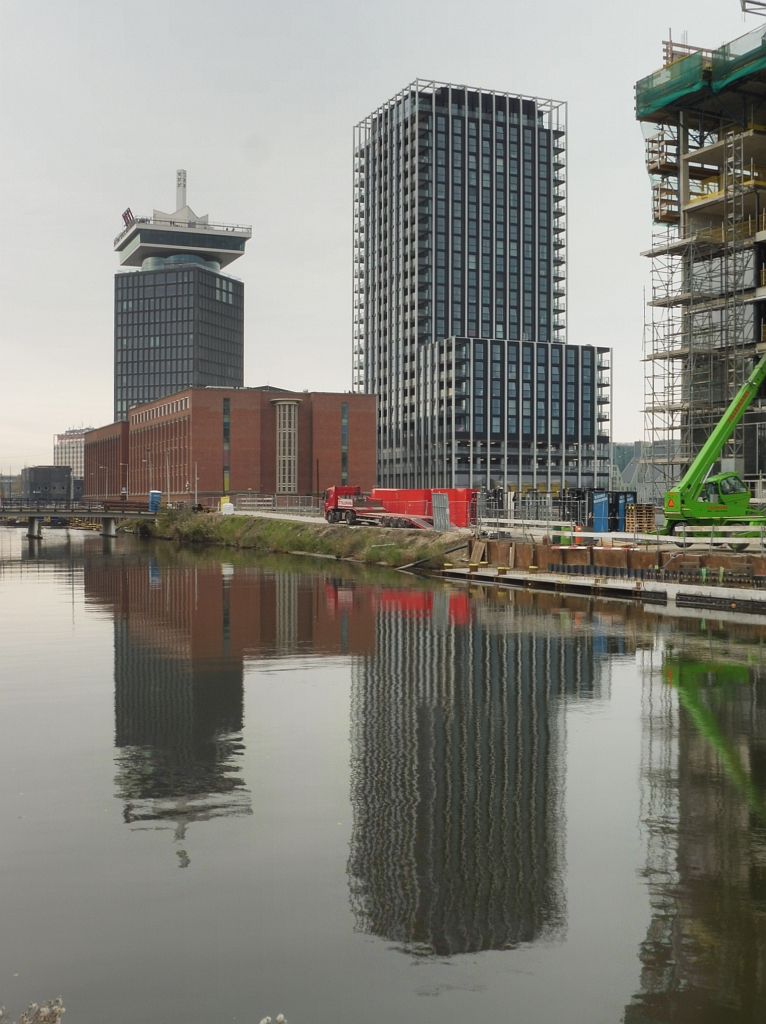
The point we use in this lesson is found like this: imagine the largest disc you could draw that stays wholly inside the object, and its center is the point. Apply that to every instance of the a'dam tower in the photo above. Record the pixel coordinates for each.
(178, 316)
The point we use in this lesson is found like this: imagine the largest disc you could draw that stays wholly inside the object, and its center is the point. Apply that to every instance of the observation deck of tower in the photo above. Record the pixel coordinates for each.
(180, 237)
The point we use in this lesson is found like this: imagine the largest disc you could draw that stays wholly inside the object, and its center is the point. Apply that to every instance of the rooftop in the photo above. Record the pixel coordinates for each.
(177, 233)
(423, 88)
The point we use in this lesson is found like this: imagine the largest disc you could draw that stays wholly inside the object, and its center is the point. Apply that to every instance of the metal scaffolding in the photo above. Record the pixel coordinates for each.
(700, 329)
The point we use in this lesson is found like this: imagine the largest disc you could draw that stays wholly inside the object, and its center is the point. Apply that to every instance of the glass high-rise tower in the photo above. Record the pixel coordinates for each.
(460, 295)
(178, 321)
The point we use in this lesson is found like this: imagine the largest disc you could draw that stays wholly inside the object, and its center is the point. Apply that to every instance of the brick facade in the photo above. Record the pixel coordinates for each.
(182, 445)
(105, 462)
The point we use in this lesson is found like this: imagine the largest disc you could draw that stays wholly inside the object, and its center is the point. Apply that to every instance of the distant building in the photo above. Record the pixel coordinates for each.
(46, 483)
(9, 486)
(637, 467)
(68, 449)
(203, 443)
(178, 320)
(623, 452)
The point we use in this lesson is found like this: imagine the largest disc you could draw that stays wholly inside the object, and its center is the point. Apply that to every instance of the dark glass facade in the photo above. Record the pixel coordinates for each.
(178, 327)
(460, 232)
(515, 414)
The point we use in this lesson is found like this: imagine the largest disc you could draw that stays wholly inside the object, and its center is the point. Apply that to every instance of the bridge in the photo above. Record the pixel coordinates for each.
(110, 513)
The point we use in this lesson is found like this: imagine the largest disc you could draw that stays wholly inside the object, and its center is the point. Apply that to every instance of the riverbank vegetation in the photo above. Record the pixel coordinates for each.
(370, 545)
(49, 1012)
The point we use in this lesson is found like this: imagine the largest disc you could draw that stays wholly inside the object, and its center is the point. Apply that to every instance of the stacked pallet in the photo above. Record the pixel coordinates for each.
(640, 519)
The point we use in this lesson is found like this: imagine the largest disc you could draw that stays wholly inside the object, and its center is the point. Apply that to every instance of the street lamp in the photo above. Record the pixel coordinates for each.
(124, 487)
(103, 494)
(196, 482)
(148, 461)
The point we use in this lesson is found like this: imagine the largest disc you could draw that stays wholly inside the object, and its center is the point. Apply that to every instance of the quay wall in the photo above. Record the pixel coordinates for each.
(596, 560)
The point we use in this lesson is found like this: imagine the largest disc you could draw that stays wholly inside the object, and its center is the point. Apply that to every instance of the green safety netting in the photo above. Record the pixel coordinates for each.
(729, 65)
(668, 85)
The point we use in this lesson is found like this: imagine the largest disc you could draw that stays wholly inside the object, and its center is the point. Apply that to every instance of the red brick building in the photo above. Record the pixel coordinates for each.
(105, 462)
(209, 442)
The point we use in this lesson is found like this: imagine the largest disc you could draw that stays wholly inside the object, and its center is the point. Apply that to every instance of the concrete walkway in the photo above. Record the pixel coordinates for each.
(292, 517)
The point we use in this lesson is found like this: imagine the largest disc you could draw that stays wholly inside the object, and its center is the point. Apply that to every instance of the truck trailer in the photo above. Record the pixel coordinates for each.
(405, 508)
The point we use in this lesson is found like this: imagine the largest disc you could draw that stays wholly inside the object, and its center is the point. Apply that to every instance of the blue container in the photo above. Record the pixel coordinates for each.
(600, 511)
(154, 500)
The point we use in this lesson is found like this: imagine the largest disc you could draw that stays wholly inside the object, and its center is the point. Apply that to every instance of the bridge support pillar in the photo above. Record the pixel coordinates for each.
(109, 526)
(35, 527)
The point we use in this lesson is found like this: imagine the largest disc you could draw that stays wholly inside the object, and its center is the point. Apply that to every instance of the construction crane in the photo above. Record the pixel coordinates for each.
(722, 498)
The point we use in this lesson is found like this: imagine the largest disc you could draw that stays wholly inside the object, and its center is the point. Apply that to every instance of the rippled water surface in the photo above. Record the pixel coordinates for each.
(232, 787)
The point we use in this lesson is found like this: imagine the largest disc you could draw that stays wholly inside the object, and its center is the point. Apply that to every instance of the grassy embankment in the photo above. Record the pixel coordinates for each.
(370, 545)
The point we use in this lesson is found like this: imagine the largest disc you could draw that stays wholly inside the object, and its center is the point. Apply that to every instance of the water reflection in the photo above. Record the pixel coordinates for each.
(182, 634)
(704, 774)
(178, 694)
(458, 739)
(458, 748)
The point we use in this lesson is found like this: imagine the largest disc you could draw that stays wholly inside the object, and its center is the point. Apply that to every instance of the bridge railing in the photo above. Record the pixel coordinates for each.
(54, 507)
(46, 505)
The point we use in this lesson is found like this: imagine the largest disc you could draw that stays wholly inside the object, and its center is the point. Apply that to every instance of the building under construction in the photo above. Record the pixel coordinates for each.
(704, 119)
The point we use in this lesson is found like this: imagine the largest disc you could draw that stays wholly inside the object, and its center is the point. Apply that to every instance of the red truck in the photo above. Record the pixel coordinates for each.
(410, 508)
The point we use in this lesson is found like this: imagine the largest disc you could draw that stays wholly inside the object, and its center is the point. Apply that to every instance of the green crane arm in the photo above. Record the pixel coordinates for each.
(691, 482)
(686, 678)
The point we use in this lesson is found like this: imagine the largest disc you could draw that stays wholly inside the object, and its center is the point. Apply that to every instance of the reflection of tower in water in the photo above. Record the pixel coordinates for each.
(178, 727)
(178, 694)
(178, 705)
(704, 795)
(456, 787)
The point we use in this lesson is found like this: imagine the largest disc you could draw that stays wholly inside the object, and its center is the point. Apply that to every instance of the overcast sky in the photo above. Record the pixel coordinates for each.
(101, 101)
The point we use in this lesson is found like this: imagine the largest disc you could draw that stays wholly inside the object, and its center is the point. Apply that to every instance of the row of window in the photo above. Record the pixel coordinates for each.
(135, 289)
(214, 316)
(150, 304)
(176, 342)
(166, 409)
(136, 386)
(139, 280)
(389, 145)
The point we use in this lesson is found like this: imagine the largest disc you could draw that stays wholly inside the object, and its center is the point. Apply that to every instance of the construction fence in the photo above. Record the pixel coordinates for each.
(295, 504)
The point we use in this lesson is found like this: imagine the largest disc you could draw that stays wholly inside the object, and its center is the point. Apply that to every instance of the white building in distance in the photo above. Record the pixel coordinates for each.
(69, 448)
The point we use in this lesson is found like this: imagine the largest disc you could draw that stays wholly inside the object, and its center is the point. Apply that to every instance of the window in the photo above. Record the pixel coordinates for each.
(343, 444)
(287, 447)
(226, 444)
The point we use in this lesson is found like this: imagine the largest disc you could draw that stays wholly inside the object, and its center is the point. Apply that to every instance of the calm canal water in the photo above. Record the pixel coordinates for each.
(233, 787)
